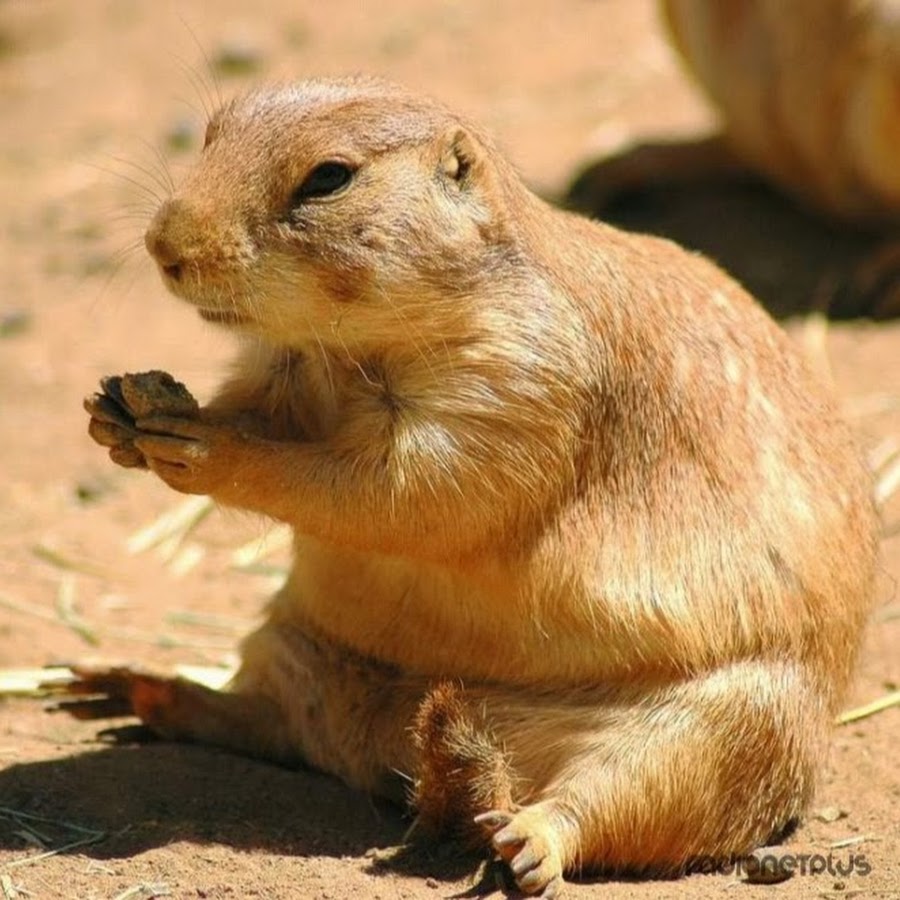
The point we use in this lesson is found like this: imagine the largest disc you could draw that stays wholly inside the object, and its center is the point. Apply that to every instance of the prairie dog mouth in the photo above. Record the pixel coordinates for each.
(223, 316)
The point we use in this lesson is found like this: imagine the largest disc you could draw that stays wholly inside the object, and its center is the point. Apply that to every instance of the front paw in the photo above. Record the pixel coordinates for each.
(189, 455)
(112, 426)
(129, 397)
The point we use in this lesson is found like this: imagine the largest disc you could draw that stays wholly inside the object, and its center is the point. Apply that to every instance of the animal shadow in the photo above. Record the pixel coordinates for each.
(119, 801)
(793, 260)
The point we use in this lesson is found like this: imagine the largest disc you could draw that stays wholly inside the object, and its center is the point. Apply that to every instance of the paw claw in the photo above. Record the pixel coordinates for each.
(128, 457)
(105, 409)
(493, 820)
(100, 693)
(94, 708)
(174, 450)
(112, 426)
(507, 838)
(523, 862)
(173, 427)
(554, 889)
(530, 843)
(106, 435)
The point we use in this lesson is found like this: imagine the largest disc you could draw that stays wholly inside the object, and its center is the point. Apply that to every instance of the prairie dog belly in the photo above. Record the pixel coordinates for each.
(434, 621)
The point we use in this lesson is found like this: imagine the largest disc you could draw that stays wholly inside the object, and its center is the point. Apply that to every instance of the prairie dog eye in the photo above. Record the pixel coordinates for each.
(325, 179)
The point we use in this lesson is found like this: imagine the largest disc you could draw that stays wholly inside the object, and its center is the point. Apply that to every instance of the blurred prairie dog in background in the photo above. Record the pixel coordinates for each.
(808, 95)
(808, 91)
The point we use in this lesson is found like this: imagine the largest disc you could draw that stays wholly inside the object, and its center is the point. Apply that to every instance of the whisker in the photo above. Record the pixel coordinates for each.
(120, 259)
(414, 333)
(214, 99)
(201, 112)
(145, 189)
(154, 176)
(326, 360)
(128, 220)
(141, 212)
(336, 331)
(162, 166)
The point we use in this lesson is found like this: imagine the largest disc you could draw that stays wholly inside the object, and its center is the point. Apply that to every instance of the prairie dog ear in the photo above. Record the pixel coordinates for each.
(459, 155)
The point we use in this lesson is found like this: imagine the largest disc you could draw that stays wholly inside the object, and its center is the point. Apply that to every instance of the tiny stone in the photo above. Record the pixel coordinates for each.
(89, 490)
(237, 56)
(830, 814)
(766, 866)
(181, 135)
(14, 322)
(297, 34)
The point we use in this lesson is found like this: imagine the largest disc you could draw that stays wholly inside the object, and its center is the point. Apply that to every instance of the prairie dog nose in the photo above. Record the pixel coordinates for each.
(167, 239)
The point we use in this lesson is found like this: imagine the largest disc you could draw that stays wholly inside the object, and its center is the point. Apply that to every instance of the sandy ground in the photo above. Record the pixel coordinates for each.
(91, 93)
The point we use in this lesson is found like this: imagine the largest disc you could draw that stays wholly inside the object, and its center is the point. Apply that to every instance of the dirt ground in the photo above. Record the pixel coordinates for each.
(91, 95)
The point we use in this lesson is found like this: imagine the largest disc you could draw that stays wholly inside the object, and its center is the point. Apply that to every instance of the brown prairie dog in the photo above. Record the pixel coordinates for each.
(807, 91)
(566, 501)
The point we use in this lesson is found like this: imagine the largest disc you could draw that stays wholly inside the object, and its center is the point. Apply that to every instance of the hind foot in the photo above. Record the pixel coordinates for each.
(530, 843)
(104, 692)
(179, 709)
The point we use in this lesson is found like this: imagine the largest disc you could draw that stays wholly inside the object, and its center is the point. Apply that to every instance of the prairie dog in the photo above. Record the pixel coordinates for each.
(807, 91)
(581, 547)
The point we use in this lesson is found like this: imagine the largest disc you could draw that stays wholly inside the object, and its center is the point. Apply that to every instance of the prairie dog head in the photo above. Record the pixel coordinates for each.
(347, 204)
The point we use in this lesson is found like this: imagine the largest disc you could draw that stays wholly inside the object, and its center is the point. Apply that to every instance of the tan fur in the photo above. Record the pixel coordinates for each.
(808, 91)
(576, 473)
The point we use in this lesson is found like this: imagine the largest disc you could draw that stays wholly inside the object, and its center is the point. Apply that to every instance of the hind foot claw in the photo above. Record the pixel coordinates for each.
(104, 692)
(530, 843)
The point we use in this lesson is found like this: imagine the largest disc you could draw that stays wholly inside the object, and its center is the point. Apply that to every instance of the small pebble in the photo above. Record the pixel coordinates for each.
(14, 322)
(830, 814)
(182, 135)
(765, 866)
(237, 56)
(92, 489)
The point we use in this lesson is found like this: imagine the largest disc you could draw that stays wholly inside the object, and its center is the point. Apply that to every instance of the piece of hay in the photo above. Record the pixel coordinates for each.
(870, 709)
